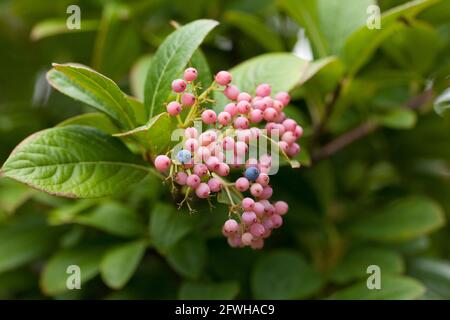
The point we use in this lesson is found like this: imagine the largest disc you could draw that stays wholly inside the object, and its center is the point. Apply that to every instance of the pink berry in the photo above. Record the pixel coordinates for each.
(231, 92)
(247, 239)
(249, 217)
(244, 107)
(203, 153)
(231, 226)
(191, 144)
(263, 90)
(267, 192)
(228, 143)
(224, 118)
(268, 102)
(190, 74)
(244, 96)
(256, 132)
(281, 207)
(231, 108)
(244, 135)
(277, 221)
(290, 124)
(259, 105)
(257, 244)
(263, 179)
(283, 97)
(241, 123)
(187, 99)
(215, 184)
(252, 162)
(209, 116)
(259, 209)
(193, 181)
(242, 184)
(191, 132)
(162, 163)
(241, 148)
(223, 169)
(298, 132)
(257, 230)
(294, 149)
(173, 108)
(212, 163)
(281, 129)
(200, 169)
(248, 204)
(283, 145)
(181, 178)
(278, 106)
(265, 160)
(205, 139)
(178, 85)
(235, 241)
(256, 116)
(256, 189)
(203, 190)
(267, 223)
(270, 114)
(223, 78)
(289, 137)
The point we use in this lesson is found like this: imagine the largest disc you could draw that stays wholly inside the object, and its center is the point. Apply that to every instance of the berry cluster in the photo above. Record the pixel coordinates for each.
(204, 159)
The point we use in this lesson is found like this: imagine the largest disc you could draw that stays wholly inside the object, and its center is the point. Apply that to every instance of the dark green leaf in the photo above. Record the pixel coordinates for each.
(209, 291)
(188, 257)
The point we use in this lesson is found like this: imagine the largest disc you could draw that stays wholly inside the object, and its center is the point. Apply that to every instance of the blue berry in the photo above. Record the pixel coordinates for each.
(252, 173)
(184, 156)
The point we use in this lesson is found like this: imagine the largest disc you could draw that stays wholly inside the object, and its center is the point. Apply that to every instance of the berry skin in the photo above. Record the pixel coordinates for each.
(290, 124)
(252, 173)
(283, 145)
(281, 207)
(178, 85)
(188, 99)
(235, 241)
(231, 92)
(223, 78)
(215, 184)
(258, 209)
(203, 190)
(162, 163)
(270, 114)
(200, 169)
(184, 156)
(257, 244)
(298, 131)
(191, 144)
(267, 193)
(249, 217)
(231, 226)
(223, 169)
(244, 96)
(191, 132)
(193, 181)
(294, 149)
(203, 153)
(209, 117)
(247, 239)
(244, 107)
(256, 116)
(278, 106)
(173, 108)
(256, 189)
(263, 90)
(228, 143)
(257, 230)
(248, 204)
(289, 137)
(232, 109)
(212, 163)
(242, 184)
(181, 178)
(283, 97)
(241, 123)
(190, 74)
(224, 118)
(277, 221)
(263, 179)
(241, 148)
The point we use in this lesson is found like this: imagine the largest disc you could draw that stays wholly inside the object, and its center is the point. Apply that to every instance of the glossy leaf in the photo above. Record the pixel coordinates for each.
(96, 120)
(433, 273)
(188, 257)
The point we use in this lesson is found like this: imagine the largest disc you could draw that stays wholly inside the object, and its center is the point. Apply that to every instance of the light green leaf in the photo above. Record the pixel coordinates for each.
(94, 89)
(401, 220)
(52, 27)
(119, 263)
(168, 225)
(255, 28)
(74, 161)
(138, 74)
(284, 275)
(392, 288)
(138, 109)
(398, 119)
(208, 291)
(169, 61)
(433, 273)
(188, 257)
(54, 276)
(354, 264)
(96, 120)
(13, 195)
(199, 62)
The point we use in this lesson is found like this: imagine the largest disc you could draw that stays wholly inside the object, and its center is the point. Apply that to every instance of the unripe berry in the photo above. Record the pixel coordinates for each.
(223, 78)
(191, 144)
(193, 181)
(184, 156)
(247, 239)
(209, 117)
(191, 132)
(224, 118)
(187, 99)
(252, 173)
(242, 184)
(203, 190)
(281, 207)
(215, 184)
(231, 92)
(181, 178)
(256, 189)
(241, 123)
(243, 107)
(263, 179)
(231, 226)
(178, 85)
(173, 108)
(277, 221)
(244, 96)
(162, 163)
(190, 74)
(232, 109)
(248, 204)
(283, 97)
(256, 116)
(249, 217)
(200, 169)
(263, 90)
(270, 114)
(294, 149)
(257, 230)
(223, 169)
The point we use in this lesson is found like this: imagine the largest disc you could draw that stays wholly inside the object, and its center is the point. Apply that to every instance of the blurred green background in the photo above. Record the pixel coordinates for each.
(374, 188)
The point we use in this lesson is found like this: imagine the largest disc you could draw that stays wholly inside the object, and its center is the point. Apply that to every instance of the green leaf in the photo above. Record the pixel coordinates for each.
(401, 220)
(199, 62)
(284, 275)
(119, 263)
(354, 264)
(138, 74)
(255, 28)
(209, 291)
(13, 195)
(74, 161)
(138, 109)
(52, 27)
(433, 273)
(398, 119)
(169, 61)
(96, 120)
(54, 276)
(168, 226)
(94, 89)
(188, 257)
(392, 288)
